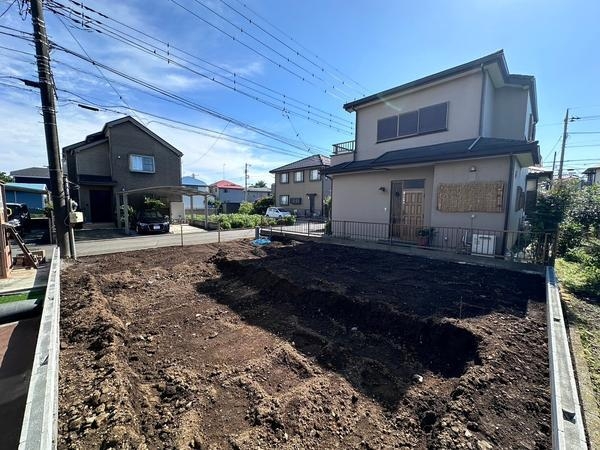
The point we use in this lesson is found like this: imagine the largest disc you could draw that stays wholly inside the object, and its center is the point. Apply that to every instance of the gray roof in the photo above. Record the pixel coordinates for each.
(311, 161)
(591, 170)
(101, 135)
(448, 151)
(33, 172)
(497, 58)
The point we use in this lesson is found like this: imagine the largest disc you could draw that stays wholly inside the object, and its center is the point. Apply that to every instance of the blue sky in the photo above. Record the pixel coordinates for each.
(312, 56)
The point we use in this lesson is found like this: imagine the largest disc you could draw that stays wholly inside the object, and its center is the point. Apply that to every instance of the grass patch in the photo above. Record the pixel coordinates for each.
(29, 295)
(581, 294)
(579, 279)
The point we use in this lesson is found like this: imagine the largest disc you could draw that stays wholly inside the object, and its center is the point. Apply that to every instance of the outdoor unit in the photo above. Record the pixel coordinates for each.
(483, 245)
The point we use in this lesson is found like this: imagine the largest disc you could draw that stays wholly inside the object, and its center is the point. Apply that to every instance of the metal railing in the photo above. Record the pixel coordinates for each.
(344, 147)
(518, 246)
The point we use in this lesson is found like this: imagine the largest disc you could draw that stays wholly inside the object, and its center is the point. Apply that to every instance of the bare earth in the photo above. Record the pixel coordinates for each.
(300, 346)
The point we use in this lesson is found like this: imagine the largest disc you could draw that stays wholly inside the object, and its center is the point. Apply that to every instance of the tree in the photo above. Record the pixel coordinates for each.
(260, 206)
(4, 177)
(246, 208)
(259, 184)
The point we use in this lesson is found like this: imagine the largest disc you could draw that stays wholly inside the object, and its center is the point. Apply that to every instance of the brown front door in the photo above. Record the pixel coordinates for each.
(407, 209)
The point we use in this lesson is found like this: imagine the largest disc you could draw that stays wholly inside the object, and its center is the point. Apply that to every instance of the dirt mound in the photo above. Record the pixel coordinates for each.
(299, 346)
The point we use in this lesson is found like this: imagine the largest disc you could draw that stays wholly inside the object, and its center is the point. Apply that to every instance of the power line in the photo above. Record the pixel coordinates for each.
(177, 98)
(169, 52)
(306, 113)
(283, 33)
(8, 8)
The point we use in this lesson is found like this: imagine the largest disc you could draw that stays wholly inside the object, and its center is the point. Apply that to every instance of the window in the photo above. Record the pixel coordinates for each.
(140, 163)
(433, 118)
(296, 200)
(408, 124)
(299, 176)
(387, 128)
(284, 200)
(314, 175)
(430, 119)
(284, 178)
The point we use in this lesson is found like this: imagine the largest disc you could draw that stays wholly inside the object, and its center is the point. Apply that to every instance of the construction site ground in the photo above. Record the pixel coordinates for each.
(299, 346)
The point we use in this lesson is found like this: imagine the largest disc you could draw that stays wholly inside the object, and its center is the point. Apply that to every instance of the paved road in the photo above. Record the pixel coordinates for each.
(130, 243)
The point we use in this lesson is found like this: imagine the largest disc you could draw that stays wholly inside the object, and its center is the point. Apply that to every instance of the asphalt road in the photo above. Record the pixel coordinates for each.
(130, 243)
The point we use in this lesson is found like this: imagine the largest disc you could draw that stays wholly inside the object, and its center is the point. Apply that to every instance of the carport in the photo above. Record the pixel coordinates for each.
(122, 200)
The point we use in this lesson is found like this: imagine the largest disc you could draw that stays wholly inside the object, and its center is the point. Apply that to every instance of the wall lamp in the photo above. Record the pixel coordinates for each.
(382, 188)
(472, 169)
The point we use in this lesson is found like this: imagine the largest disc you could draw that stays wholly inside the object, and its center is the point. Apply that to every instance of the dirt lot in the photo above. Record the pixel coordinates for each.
(299, 346)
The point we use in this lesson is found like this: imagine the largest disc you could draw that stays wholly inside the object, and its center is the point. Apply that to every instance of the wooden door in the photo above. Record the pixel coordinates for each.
(407, 209)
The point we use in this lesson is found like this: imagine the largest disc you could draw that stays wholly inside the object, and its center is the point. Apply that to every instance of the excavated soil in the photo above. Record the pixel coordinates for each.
(300, 346)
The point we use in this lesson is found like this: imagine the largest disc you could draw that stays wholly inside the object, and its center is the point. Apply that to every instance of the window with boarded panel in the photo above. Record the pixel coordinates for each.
(471, 197)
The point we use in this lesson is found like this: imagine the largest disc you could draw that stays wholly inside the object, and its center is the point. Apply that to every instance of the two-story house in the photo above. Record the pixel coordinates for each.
(124, 156)
(301, 188)
(446, 151)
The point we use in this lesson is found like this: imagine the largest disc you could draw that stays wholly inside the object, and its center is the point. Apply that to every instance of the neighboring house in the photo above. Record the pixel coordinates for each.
(124, 156)
(197, 200)
(257, 193)
(300, 186)
(227, 192)
(33, 175)
(537, 179)
(34, 196)
(592, 174)
(448, 150)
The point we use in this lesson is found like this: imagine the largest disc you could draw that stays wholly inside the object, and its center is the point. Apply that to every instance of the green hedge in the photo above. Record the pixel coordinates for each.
(229, 221)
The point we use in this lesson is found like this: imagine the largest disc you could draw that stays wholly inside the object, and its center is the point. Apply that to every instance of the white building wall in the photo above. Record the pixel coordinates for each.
(463, 94)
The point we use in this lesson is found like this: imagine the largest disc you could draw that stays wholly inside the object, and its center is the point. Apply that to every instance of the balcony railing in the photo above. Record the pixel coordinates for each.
(344, 147)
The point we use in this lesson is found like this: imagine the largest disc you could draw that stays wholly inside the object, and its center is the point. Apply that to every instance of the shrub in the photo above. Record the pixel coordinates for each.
(570, 236)
(153, 203)
(246, 208)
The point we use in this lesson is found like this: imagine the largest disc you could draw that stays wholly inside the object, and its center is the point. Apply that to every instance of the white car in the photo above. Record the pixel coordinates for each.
(276, 213)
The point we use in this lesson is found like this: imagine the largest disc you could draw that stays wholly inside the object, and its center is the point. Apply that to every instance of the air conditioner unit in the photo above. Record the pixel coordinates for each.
(483, 245)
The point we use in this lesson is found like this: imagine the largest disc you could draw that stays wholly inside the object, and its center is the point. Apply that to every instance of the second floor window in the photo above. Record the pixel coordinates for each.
(299, 176)
(430, 119)
(284, 200)
(141, 163)
(284, 178)
(314, 175)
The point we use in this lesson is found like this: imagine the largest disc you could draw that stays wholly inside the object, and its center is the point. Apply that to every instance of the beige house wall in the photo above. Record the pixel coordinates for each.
(464, 96)
(320, 187)
(491, 169)
(356, 197)
(511, 113)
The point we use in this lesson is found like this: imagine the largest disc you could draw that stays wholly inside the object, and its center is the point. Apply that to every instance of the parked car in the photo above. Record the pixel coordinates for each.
(151, 221)
(19, 217)
(276, 213)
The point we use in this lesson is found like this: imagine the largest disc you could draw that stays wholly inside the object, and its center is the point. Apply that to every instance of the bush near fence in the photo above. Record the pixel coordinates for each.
(229, 221)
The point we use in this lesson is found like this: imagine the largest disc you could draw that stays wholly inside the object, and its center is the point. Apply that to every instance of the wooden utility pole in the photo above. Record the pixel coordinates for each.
(49, 113)
(562, 150)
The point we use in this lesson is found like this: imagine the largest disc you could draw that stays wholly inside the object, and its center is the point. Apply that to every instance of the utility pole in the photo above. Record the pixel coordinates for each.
(562, 150)
(246, 182)
(553, 165)
(49, 113)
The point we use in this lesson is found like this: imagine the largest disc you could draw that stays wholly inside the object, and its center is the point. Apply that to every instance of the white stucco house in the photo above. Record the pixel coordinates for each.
(449, 151)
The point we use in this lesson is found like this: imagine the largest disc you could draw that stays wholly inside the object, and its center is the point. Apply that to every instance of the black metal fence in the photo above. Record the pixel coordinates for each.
(519, 246)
